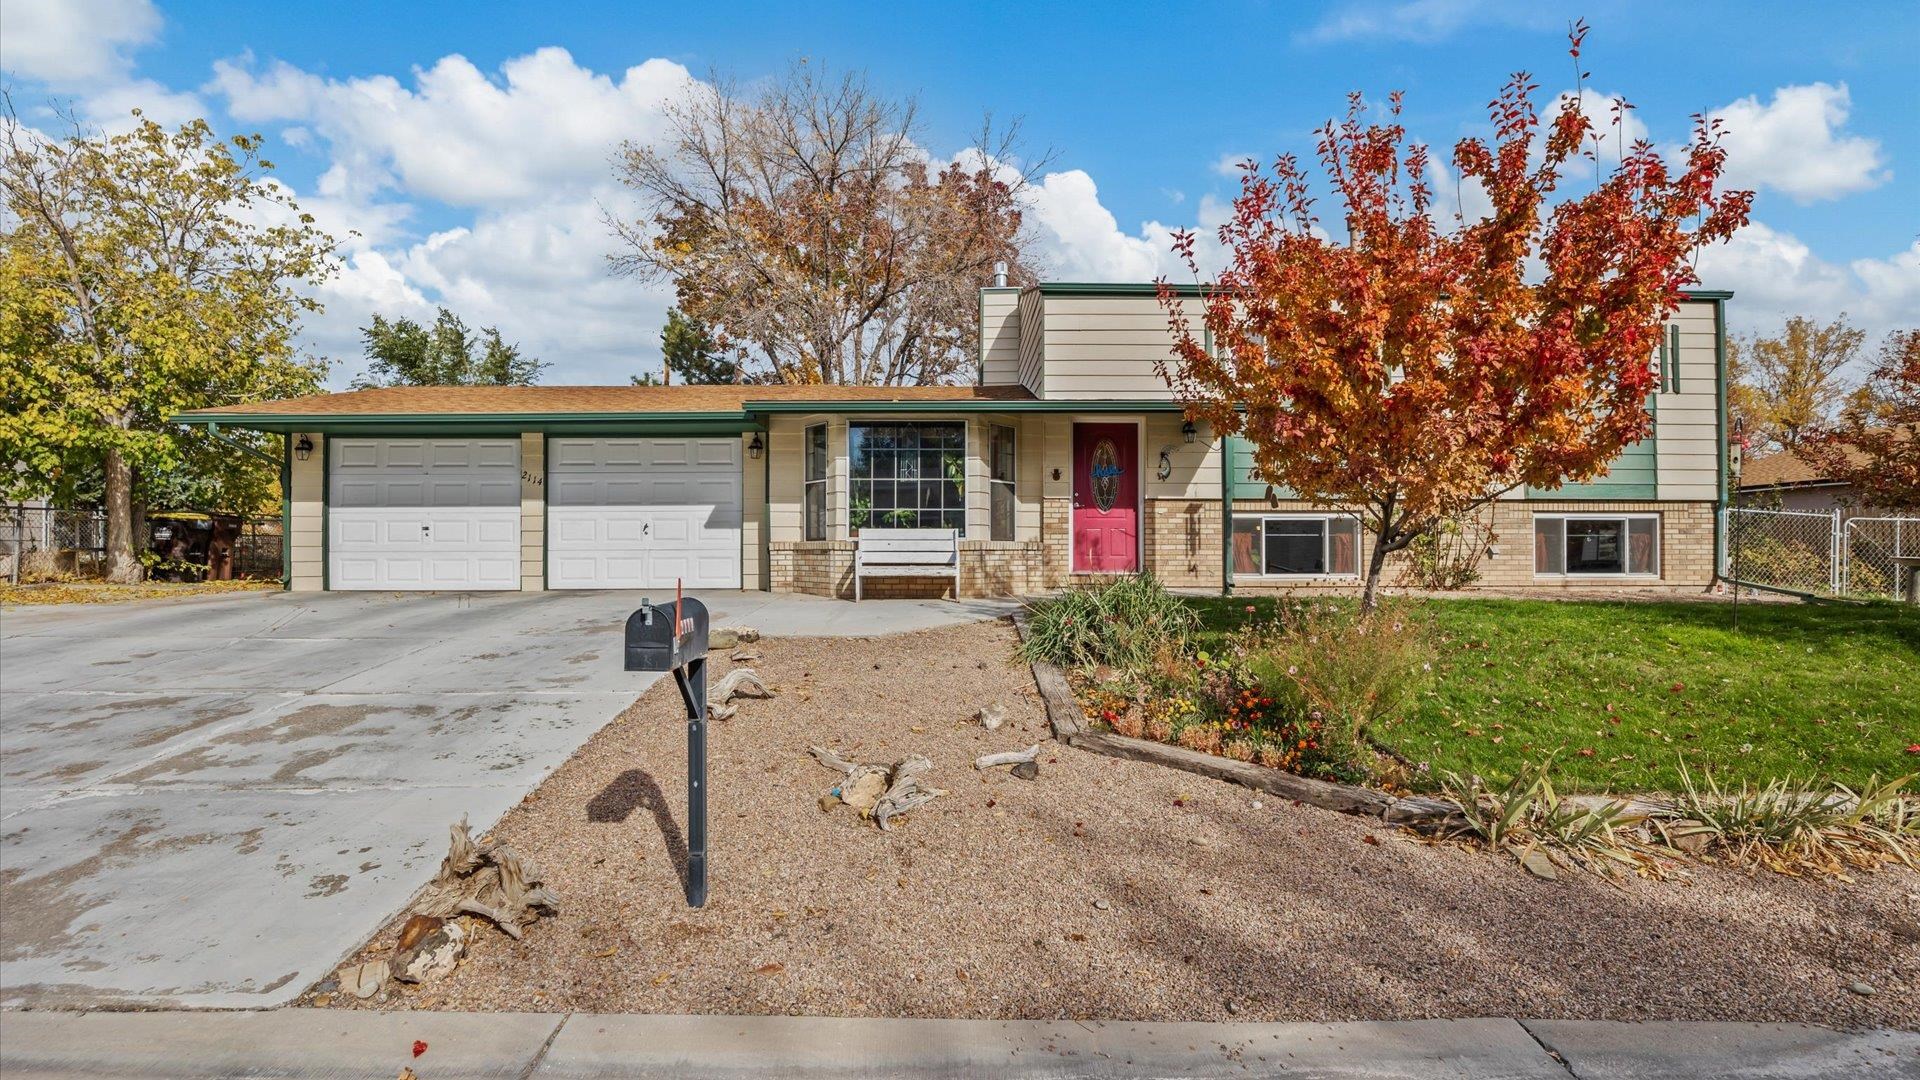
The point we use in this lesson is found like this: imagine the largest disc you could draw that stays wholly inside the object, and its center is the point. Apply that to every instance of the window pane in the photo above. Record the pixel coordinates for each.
(1001, 453)
(860, 512)
(1643, 545)
(816, 510)
(1549, 545)
(1000, 511)
(952, 519)
(882, 495)
(1246, 545)
(911, 475)
(817, 452)
(1596, 547)
(1295, 546)
(907, 466)
(1343, 546)
(929, 496)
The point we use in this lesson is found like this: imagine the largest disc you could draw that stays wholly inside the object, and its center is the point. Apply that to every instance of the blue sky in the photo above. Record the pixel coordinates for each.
(467, 145)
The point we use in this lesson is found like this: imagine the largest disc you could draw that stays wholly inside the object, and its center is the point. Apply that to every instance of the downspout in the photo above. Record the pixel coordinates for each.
(1720, 437)
(1226, 516)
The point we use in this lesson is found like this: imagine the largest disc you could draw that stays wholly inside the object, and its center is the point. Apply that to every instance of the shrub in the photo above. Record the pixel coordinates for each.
(1447, 556)
(1352, 673)
(1792, 829)
(1127, 623)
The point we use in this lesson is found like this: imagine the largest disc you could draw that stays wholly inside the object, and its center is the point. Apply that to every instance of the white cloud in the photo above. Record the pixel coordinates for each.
(72, 43)
(1774, 274)
(456, 135)
(1080, 240)
(1794, 145)
(1424, 21)
(110, 108)
(1229, 165)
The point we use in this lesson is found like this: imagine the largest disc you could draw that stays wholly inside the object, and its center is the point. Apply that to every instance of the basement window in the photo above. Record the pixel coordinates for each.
(1596, 545)
(1296, 545)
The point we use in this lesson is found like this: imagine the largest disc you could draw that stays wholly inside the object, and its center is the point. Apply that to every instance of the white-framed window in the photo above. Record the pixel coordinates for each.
(1000, 504)
(815, 480)
(1596, 545)
(907, 475)
(1296, 545)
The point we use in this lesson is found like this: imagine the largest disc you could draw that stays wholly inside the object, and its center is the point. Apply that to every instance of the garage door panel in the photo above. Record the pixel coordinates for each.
(424, 514)
(639, 513)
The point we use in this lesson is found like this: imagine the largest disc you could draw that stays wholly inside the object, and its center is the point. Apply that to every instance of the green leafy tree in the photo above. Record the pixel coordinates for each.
(143, 274)
(693, 356)
(401, 352)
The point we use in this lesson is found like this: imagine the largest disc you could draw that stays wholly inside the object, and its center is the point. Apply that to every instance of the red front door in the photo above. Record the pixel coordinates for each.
(1106, 498)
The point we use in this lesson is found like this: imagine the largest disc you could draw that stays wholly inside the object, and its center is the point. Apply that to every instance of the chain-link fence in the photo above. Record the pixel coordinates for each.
(39, 542)
(1794, 550)
(1880, 556)
(1804, 551)
(257, 551)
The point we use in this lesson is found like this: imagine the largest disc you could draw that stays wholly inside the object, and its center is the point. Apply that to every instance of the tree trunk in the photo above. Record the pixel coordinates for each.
(123, 565)
(1376, 563)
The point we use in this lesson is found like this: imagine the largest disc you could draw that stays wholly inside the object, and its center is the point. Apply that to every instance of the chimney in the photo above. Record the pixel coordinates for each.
(1000, 275)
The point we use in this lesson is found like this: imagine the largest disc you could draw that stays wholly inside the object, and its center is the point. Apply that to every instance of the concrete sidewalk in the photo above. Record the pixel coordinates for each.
(310, 1043)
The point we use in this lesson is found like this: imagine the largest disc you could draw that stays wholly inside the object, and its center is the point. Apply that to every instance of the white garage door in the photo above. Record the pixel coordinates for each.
(641, 513)
(424, 514)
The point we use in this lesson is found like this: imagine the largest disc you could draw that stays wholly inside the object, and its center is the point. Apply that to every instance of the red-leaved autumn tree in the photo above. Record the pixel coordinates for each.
(1414, 364)
(1876, 446)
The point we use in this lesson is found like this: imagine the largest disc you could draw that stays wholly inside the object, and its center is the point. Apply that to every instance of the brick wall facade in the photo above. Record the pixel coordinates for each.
(1184, 547)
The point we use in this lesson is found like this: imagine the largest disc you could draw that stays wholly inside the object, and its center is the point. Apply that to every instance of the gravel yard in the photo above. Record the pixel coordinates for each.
(1105, 888)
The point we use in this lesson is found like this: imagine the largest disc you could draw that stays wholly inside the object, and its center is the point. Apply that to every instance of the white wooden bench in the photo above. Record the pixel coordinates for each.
(907, 553)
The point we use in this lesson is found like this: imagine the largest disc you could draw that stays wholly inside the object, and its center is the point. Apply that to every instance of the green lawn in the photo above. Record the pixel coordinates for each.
(1801, 690)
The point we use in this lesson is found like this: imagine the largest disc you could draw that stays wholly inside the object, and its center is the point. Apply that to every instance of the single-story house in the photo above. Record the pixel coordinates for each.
(1786, 481)
(1066, 460)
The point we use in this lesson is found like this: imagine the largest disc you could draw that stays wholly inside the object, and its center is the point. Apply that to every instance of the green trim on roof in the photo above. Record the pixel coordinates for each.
(1137, 288)
(969, 405)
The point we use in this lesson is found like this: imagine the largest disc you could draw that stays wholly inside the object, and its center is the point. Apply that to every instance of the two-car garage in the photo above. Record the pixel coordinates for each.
(621, 513)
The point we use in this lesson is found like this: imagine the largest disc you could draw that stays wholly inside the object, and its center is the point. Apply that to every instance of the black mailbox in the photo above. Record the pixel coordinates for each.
(661, 638)
(673, 637)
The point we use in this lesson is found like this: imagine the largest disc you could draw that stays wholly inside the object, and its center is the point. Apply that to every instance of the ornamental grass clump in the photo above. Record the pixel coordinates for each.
(1123, 624)
(1351, 673)
(1793, 830)
(1527, 817)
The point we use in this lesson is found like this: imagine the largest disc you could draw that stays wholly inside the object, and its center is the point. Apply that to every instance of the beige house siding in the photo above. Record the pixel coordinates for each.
(753, 514)
(1686, 435)
(1032, 323)
(1105, 347)
(307, 502)
(999, 337)
(533, 512)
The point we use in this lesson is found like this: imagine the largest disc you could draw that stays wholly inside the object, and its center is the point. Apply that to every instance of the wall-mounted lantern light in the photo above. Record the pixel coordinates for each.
(303, 449)
(755, 447)
(1188, 431)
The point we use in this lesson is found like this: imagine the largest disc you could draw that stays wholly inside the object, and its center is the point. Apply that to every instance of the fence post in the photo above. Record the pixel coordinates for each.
(1839, 553)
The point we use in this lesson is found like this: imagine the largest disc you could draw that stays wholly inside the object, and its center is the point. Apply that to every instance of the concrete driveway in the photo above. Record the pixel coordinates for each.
(211, 802)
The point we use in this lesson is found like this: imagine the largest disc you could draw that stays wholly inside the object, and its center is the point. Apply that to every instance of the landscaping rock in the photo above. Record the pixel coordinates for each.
(363, 980)
(433, 956)
(1864, 989)
(992, 716)
(1027, 770)
(1102, 905)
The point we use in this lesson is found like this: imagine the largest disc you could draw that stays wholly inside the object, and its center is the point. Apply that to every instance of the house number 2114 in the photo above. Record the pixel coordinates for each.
(532, 479)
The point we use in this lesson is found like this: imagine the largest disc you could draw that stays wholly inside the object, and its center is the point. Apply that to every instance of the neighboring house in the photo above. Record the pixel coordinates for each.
(1784, 481)
(1066, 461)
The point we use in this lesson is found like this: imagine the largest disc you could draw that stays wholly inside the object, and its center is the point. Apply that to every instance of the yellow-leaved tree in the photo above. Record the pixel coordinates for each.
(141, 274)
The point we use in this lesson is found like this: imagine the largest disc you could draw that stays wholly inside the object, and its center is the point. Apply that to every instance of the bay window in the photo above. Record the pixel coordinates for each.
(907, 475)
(1617, 545)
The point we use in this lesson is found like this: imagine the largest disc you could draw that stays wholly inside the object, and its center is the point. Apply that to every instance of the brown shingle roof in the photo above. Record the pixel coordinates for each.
(533, 400)
(1785, 468)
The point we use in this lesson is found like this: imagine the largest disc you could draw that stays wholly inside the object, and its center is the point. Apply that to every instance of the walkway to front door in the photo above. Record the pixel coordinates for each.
(1106, 499)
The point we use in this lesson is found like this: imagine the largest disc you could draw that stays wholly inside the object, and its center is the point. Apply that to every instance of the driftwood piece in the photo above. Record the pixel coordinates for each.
(488, 880)
(740, 682)
(882, 792)
(1011, 757)
(1063, 709)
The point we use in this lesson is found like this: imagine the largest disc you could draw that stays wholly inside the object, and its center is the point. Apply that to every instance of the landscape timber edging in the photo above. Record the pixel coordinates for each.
(1063, 713)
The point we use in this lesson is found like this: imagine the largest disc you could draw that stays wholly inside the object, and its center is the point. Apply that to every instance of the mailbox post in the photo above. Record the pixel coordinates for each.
(673, 637)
